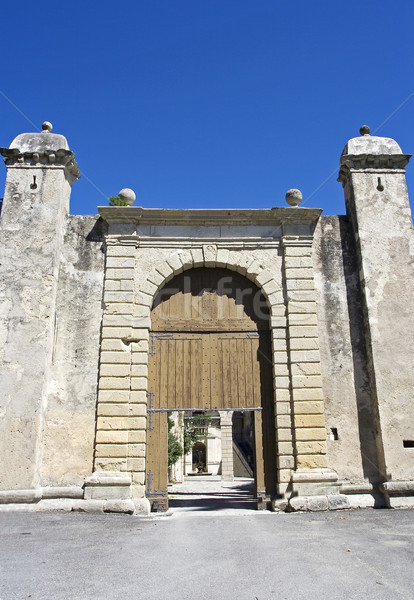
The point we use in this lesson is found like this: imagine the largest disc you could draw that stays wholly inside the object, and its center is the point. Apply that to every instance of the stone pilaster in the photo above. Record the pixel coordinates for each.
(121, 422)
(303, 356)
(226, 425)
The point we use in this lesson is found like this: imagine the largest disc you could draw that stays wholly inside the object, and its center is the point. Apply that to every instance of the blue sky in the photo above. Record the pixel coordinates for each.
(208, 104)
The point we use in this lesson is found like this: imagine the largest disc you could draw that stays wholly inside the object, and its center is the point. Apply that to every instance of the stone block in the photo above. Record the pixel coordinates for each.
(139, 383)
(156, 278)
(198, 257)
(278, 322)
(280, 357)
(165, 270)
(112, 437)
(285, 448)
(107, 492)
(282, 406)
(241, 261)
(303, 331)
(144, 299)
(312, 420)
(118, 274)
(338, 502)
(113, 396)
(20, 496)
(297, 251)
(110, 464)
(149, 288)
(281, 370)
(121, 251)
(62, 492)
(301, 308)
(310, 368)
(284, 435)
(302, 319)
(137, 450)
(186, 259)
(114, 383)
(120, 262)
(264, 277)
(302, 356)
(113, 410)
(282, 382)
(306, 381)
(304, 343)
(307, 394)
(116, 357)
(139, 396)
(142, 506)
(137, 410)
(65, 504)
(311, 447)
(111, 450)
(139, 371)
(119, 506)
(310, 434)
(127, 285)
(110, 370)
(309, 407)
(301, 295)
(175, 263)
(309, 503)
(88, 506)
(136, 464)
(300, 273)
(138, 479)
(300, 284)
(311, 461)
(116, 332)
(276, 309)
(222, 257)
(140, 358)
(119, 308)
(137, 436)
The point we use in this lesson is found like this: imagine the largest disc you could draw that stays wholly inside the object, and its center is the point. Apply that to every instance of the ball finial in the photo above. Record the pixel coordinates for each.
(127, 195)
(293, 197)
(47, 127)
(365, 130)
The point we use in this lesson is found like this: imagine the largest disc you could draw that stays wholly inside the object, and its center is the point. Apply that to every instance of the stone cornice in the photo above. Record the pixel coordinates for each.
(209, 217)
(372, 163)
(58, 158)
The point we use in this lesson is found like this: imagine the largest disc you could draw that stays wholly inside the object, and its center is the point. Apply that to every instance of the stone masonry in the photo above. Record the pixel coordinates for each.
(75, 322)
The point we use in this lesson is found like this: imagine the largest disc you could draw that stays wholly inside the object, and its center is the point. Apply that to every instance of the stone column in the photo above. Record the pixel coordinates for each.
(40, 173)
(373, 175)
(226, 425)
(121, 421)
(311, 473)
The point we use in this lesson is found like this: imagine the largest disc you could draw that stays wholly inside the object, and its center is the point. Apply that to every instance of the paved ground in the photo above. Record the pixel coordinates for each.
(208, 554)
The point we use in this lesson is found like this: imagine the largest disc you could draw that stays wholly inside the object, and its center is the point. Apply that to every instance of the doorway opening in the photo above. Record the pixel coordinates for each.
(210, 367)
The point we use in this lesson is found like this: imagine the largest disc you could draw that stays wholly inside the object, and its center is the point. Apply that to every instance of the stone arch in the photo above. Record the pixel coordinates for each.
(211, 256)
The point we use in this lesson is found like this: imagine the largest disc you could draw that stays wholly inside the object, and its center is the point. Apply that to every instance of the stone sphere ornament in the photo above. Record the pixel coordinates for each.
(364, 130)
(127, 195)
(47, 127)
(293, 197)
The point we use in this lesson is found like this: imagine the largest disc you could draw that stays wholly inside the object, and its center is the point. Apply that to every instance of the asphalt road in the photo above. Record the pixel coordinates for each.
(361, 554)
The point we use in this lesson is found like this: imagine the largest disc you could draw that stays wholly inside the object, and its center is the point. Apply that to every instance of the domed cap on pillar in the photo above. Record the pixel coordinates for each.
(371, 144)
(44, 148)
(371, 152)
(40, 142)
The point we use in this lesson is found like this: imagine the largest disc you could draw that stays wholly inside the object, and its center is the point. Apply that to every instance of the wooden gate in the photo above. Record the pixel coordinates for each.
(209, 351)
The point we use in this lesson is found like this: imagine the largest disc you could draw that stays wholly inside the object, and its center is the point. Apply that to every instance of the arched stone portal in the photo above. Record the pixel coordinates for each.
(210, 350)
(136, 271)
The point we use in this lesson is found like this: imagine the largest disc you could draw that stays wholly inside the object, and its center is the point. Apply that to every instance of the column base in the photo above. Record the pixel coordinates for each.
(314, 482)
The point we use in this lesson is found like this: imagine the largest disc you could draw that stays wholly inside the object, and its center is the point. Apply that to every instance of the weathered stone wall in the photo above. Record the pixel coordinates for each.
(346, 388)
(70, 416)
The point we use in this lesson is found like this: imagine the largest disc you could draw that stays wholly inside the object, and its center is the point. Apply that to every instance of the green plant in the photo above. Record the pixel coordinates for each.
(175, 449)
(117, 201)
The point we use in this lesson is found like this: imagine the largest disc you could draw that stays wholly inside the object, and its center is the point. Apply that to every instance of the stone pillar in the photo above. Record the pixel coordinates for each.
(226, 425)
(373, 176)
(121, 412)
(311, 475)
(40, 173)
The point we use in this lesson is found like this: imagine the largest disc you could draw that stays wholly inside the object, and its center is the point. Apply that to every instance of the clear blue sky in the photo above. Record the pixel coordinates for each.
(214, 103)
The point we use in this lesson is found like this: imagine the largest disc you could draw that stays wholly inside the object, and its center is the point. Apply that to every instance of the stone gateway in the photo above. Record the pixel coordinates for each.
(299, 324)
